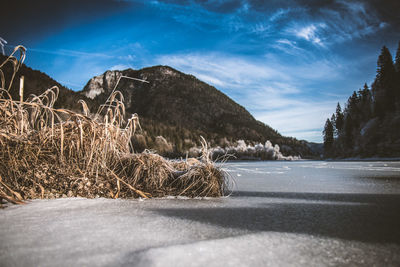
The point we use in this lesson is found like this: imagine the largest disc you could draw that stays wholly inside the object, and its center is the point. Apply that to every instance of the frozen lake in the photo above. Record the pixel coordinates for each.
(302, 213)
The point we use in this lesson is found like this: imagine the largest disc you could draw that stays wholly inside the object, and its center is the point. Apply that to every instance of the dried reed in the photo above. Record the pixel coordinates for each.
(48, 153)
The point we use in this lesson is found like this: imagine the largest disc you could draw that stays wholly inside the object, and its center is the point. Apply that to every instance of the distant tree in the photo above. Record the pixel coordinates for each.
(397, 68)
(333, 121)
(328, 136)
(397, 59)
(365, 93)
(352, 103)
(348, 131)
(383, 87)
(339, 119)
(353, 109)
(365, 105)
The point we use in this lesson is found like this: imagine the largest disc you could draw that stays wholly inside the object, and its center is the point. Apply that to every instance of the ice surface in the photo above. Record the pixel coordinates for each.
(281, 214)
(264, 249)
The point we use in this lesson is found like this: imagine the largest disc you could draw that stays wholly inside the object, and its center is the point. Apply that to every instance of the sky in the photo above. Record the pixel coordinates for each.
(287, 62)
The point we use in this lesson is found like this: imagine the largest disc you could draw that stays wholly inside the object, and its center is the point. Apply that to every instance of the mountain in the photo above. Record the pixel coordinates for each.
(181, 100)
(179, 107)
(174, 108)
(36, 82)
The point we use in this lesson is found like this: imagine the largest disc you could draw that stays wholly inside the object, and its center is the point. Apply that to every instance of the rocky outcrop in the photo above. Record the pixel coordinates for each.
(102, 84)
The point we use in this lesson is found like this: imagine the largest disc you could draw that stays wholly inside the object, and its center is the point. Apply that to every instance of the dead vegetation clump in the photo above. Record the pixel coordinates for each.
(50, 153)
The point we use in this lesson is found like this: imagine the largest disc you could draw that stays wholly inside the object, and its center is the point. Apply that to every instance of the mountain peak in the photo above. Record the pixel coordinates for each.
(176, 99)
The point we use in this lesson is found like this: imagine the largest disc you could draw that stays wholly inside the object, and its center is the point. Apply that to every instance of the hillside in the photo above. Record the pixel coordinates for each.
(180, 108)
(36, 82)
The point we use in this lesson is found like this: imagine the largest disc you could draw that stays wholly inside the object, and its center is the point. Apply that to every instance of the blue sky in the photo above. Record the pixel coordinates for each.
(287, 62)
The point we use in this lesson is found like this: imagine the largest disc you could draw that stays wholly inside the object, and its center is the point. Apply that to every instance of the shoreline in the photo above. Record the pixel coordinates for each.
(330, 160)
(366, 159)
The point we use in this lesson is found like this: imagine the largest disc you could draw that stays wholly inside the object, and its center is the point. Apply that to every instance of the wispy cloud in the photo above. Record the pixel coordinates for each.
(291, 48)
(298, 118)
(232, 72)
(280, 13)
(340, 22)
(121, 67)
(197, 16)
(357, 8)
(271, 90)
(69, 53)
(261, 28)
(309, 33)
(70, 84)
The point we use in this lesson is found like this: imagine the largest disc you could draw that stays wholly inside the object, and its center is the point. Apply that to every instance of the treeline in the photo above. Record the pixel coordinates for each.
(369, 125)
(175, 142)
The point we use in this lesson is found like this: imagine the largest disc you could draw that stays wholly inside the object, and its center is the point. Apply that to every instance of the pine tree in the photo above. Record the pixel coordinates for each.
(328, 137)
(397, 60)
(365, 103)
(352, 103)
(397, 67)
(333, 121)
(353, 109)
(365, 93)
(348, 131)
(384, 85)
(339, 119)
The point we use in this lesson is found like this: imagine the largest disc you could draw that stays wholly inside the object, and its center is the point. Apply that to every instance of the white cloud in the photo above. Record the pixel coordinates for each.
(70, 84)
(120, 67)
(287, 42)
(195, 15)
(227, 71)
(309, 32)
(339, 22)
(129, 58)
(291, 48)
(354, 7)
(70, 53)
(210, 80)
(302, 119)
(261, 28)
(271, 89)
(279, 14)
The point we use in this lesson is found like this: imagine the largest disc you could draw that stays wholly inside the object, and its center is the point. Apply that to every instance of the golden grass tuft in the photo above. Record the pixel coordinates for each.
(49, 153)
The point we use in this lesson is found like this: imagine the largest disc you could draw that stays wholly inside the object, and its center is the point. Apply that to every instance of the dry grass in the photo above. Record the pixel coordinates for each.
(48, 153)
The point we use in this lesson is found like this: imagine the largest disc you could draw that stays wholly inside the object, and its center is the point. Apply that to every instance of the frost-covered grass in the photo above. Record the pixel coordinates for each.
(259, 151)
